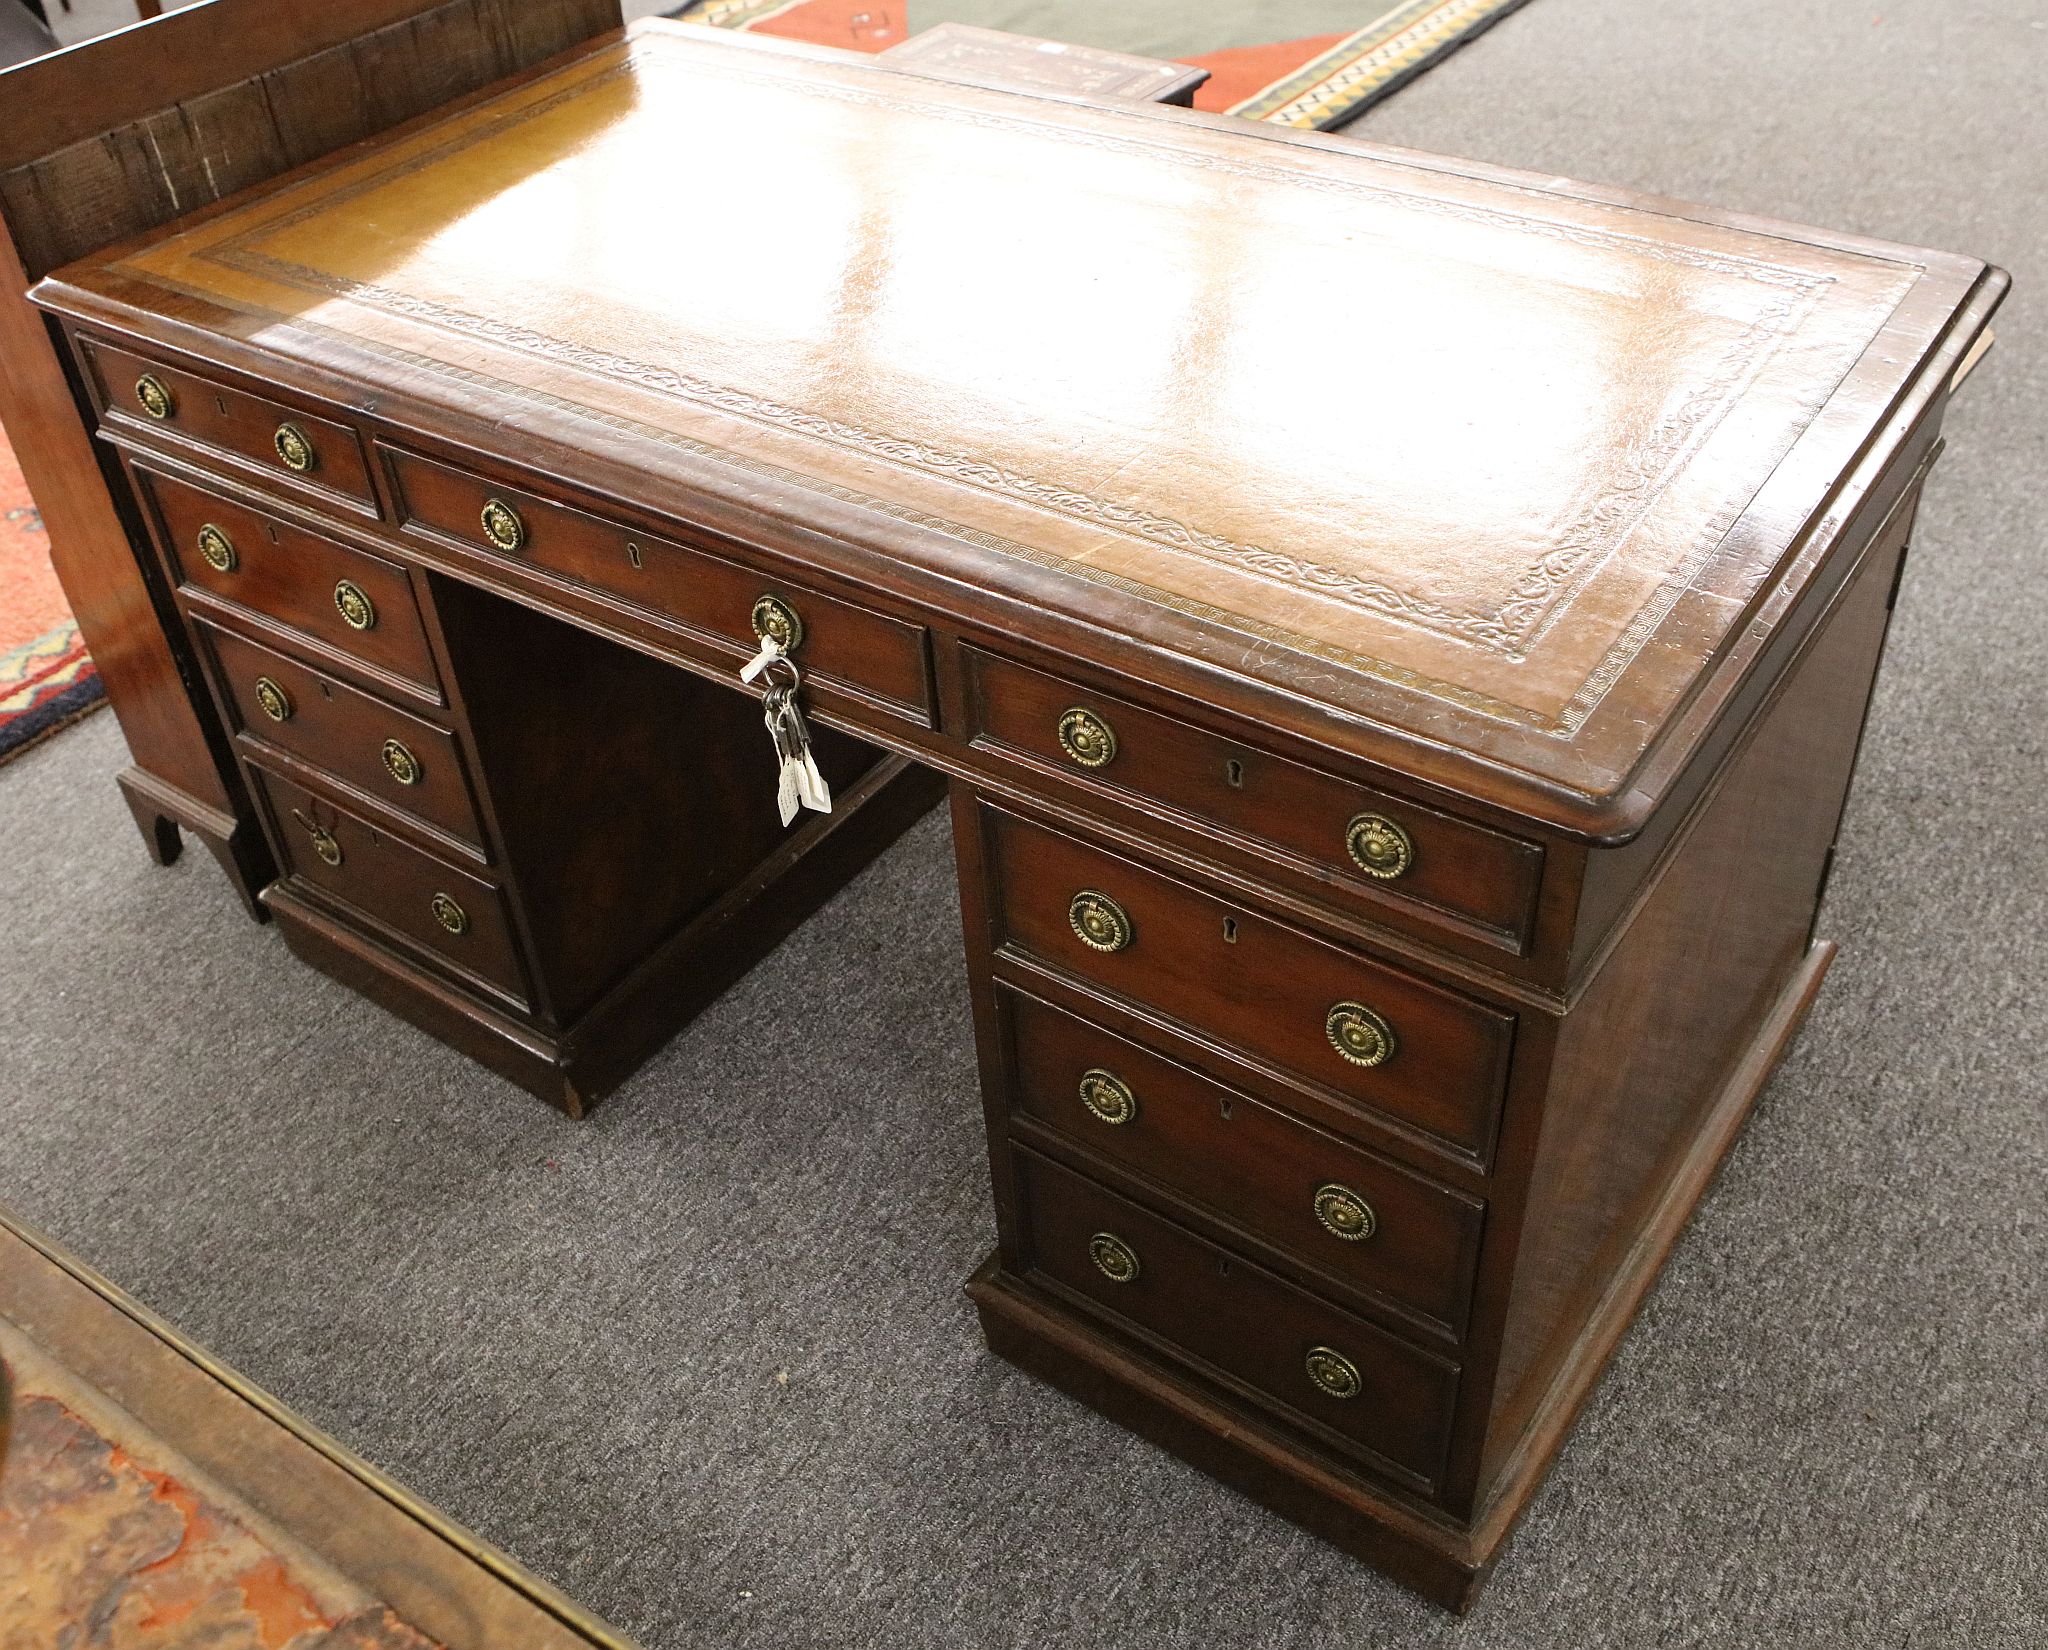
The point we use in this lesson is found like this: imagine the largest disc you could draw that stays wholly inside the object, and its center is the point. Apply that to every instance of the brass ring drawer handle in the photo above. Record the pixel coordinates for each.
(1359, 1035)
(1107, 1096)
(1098, 921)
(294, 448)
(155, 396)
(1114, 1259)
(273, 700)
(1087, 738)
(357, 610)
(1334, 1375)
(502, 526)
(449, 914)
(774, 617)
(1379, 847)
(1344, 1213)
(324, 843)
(216, 549)
(400, 762)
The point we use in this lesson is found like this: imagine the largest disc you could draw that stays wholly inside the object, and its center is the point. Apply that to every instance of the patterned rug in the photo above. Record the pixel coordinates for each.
(1303, 63)
(47, 680)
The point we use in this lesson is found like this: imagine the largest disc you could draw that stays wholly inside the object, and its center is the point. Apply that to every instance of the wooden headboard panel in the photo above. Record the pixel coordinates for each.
(124, 133)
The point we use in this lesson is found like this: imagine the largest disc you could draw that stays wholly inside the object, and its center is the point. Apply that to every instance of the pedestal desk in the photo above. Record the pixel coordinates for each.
(1396, 634)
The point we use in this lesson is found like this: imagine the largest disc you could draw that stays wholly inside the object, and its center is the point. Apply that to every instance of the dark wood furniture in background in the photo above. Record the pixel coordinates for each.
(118, 136)
(1390, 827)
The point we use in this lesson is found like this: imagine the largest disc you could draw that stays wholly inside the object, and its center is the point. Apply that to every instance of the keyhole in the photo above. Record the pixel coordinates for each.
(1233, 770)
(272, 531)
(1224, 1107)
(1223, 1268)
(1230, 930)
(218, 402)
(633, 553)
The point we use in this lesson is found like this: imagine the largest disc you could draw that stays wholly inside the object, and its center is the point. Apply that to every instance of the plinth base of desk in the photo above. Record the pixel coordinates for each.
(575, 1068)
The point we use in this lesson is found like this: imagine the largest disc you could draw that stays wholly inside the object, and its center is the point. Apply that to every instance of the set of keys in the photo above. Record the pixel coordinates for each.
(799, 783)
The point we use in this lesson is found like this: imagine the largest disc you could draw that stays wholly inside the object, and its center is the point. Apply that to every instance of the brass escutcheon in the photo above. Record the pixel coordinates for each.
(450, 915)
(1361, 1036)
(774, 617)
(1344, 1213)
(1379, 847)
(1108, 1096)
(1114, 1259)
(294, 450)
(502, 525)
(357, 610)
(400, 763)
(156, 399)
(1335, 1375)
(1098, 921)
(276, 703)
(1087, 738)
(216, 549)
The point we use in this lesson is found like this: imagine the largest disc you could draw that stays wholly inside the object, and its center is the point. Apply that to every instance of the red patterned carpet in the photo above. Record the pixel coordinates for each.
(47, 679)
(1317, 82)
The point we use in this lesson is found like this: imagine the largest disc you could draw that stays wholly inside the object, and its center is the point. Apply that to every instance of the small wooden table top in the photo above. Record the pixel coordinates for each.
(1504, 479)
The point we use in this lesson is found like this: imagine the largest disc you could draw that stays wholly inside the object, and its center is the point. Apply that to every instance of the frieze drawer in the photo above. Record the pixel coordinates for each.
(1353, 1384)
(356, 604)
(1373, 1034)
(1325, 828)
(1372, 1225)
(838, 643)
(282, 441)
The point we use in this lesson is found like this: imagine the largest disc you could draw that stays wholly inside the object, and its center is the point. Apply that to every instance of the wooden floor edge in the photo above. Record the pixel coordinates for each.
(1580, 1372)
(502, 1566)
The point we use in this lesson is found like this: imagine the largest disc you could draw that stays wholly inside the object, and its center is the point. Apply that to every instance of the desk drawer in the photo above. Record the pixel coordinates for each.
(286, 441)
(1415, 1051)
(376, 748)
(1356, 1384)
(1356, 1216)
(357, 604)
(851, 647)
(1329, 827)
(449, 914)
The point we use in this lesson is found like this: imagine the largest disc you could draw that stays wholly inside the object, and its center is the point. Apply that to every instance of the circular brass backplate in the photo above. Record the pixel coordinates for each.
(774, 617)
(276, 703)
(1099, 921)
(155, 397)
(294, 448)
(1114, 1259)
(216, 549)
(325, 845)
(502, 525)
(1361, 1036)
(357, 610)
(1107, 1096)
(400, 763)
(450, 915)
(1087, 738)
(1334, 1375)
(1379, 847)
(1344, 1213)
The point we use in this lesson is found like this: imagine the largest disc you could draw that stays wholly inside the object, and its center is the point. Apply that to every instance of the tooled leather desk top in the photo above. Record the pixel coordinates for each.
(1508, 467)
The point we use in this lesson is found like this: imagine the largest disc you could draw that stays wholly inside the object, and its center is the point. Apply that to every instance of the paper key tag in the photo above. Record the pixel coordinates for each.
(771, 650)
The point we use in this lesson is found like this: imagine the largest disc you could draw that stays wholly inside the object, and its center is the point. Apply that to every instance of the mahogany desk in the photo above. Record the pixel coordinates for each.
(1397, 633)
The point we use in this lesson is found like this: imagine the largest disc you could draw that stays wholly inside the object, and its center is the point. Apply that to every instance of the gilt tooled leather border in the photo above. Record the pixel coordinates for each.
(1543, 590)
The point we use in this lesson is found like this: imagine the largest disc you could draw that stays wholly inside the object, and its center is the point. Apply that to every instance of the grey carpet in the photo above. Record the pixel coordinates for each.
(1826, 1431)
